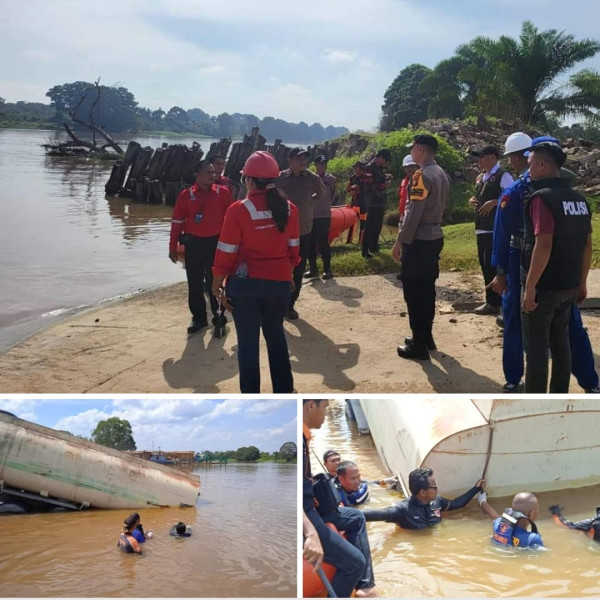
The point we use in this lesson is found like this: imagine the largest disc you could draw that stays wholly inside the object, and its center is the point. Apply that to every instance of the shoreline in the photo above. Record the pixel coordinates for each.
(344, 341)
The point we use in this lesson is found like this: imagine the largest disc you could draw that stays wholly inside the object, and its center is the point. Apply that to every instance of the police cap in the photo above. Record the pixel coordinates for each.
(299, 152)
(485, 151)
(321, 159)
(425, 140)
(553, 149)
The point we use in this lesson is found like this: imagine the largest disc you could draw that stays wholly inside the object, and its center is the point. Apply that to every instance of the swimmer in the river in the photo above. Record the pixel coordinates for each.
(511, 528)
(181, 530)
(590, 527)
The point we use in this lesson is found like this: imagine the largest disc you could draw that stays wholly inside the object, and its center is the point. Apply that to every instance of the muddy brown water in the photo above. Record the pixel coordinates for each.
(64, 243)
(243, 544)
(456, 559)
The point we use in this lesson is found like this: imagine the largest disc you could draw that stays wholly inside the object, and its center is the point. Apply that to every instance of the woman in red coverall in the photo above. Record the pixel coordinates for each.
(257, 251)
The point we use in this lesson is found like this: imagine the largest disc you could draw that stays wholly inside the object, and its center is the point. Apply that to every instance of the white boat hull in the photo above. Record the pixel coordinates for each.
(520, 445)
(58, 465)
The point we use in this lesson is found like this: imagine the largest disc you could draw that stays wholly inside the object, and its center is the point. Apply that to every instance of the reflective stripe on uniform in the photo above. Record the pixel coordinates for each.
(256, 215)
(294, 242)
(229, 248)
(177, 220)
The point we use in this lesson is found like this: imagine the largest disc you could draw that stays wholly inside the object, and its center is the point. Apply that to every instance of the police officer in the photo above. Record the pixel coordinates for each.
(506, 257)
(257, 252)
(556, 258)
(197, 220)
(419, 243)
(304, 189)
(490, 182)
(319, 236)
(424, 507)
(375, 201)
(356, 189)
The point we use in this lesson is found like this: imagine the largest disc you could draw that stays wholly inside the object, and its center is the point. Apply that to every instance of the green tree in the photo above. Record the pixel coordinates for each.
(520, 78)
(247, 454)
(405, 101)
(115, 433)
(288, 451)
(115, 109)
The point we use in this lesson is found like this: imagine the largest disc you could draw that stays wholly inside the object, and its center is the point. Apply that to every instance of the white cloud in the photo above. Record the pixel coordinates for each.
(83, 423)
(22, 408)
(339, 56)
(263, 407)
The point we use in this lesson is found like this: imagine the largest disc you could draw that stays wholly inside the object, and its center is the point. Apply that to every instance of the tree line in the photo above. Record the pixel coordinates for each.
(117, 111)
(524, 78)
(117, 433)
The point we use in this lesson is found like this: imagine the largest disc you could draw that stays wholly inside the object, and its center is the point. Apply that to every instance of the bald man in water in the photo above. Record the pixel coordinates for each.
(511, 528)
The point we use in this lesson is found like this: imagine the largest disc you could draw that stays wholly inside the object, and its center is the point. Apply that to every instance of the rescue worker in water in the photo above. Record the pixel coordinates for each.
(424, 507)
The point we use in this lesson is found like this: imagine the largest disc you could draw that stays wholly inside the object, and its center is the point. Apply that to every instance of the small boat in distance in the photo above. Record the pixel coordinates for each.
(517, 445)
(49, 464)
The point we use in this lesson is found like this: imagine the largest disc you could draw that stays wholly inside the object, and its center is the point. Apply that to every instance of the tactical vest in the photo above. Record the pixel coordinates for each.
(572, 222)
(484, 191)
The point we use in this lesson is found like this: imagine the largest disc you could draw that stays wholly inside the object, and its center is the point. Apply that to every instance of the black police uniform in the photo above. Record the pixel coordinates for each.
(375, 204)
(484, 191)
(546, 328)
(412, 514)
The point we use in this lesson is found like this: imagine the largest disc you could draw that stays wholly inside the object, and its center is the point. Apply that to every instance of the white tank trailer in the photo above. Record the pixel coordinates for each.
(57, 465)
(517, 445)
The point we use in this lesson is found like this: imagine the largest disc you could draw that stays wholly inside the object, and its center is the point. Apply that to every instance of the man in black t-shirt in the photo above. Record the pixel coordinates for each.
(424, 507)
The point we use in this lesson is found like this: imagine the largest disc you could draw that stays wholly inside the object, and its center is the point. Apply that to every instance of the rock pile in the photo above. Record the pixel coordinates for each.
(583, 157)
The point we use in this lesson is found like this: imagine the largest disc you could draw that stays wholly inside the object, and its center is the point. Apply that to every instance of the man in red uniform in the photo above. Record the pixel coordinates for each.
(218, 162)
(197, 220)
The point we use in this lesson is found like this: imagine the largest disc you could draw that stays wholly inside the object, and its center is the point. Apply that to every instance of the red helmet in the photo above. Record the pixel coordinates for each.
(261, 164)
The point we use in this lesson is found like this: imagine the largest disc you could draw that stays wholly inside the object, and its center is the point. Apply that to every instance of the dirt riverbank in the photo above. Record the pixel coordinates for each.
(344, 341)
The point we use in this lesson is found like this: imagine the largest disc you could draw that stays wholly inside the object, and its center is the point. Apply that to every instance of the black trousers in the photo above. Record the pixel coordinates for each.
(547, 329)
(370, 239)
(484, 250)
(319, 236)
(199, 259)
(299, 270)
(420, 268)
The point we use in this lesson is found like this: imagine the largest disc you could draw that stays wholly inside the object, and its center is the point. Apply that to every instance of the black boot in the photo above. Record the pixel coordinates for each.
(416, 349)
(429, 342)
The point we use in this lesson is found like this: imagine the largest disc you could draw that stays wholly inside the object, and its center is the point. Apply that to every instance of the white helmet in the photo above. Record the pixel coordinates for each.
(407, 161)
(516, 142)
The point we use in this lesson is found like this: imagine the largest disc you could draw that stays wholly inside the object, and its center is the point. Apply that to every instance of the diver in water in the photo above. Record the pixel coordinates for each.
(590, 527)
(181, 530)
(133, 535)
(511, 528)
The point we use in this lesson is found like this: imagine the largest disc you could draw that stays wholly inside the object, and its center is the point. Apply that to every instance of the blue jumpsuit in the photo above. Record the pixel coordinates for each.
(508, 235)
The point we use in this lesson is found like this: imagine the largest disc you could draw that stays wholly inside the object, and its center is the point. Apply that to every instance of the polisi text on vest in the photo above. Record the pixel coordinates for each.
(574, 208)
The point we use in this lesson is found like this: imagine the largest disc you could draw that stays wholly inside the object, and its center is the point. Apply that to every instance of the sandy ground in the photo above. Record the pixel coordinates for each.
(344, 341)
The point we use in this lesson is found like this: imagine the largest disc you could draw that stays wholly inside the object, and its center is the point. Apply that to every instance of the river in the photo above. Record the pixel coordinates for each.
(243, 544)
(64, 244)
(456, 559)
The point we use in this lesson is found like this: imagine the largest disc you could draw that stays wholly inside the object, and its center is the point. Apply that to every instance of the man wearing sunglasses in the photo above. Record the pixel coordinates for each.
(424, 507)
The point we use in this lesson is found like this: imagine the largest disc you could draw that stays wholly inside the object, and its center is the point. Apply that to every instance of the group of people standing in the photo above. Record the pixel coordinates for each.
(250, 255)
(533, 242)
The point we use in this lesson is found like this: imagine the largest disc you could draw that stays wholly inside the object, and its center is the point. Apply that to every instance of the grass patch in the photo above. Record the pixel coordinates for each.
(459, 253)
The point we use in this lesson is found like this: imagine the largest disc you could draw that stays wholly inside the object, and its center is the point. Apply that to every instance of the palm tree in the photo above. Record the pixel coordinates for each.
(522, 76)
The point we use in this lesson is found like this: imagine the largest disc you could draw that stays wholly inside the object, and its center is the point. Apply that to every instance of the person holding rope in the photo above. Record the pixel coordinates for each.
(424, 508)
(257, 253)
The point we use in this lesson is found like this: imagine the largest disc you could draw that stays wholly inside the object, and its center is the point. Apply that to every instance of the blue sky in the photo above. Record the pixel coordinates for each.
(172, 424)
(328, 61)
